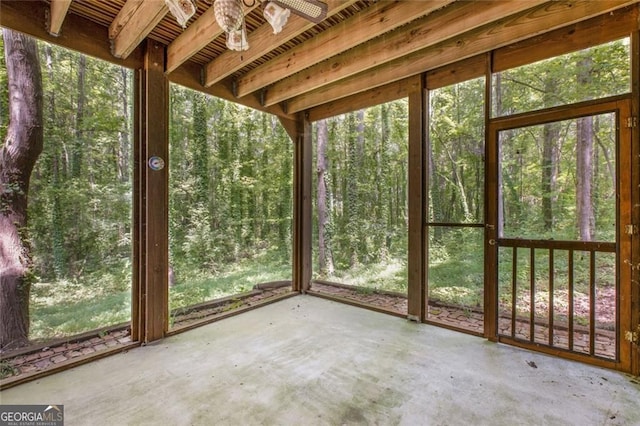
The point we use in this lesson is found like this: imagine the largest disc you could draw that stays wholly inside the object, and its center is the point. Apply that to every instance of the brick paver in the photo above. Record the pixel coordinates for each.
(472, 320)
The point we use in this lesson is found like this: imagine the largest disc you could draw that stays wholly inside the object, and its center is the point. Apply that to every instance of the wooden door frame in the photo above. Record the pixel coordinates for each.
(635, 196)
(622, 107)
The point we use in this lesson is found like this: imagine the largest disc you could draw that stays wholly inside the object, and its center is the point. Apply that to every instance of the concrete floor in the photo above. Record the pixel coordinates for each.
(309, 361)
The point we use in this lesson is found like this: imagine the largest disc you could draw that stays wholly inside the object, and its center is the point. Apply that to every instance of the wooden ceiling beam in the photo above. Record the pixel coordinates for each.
(541, 19)
(464, 70)
(189, 75)
(196, 37)
(379, 19)
(379, 95)
(261, 42)
(452, 21)
(124, 16)
(80, 34)
(582, 35)
(134, 22)
(57, 12)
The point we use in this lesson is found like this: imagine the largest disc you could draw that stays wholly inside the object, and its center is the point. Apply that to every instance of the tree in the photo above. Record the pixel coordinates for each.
(20, 151)
(325, 262)
(584, 163)
(351, 190)
(551, 133)
(200, 149)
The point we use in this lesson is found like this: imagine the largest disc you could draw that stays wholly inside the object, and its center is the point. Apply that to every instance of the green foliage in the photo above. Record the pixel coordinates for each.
(7, 370)
(522, 171)
(554, 81)
(80, 214)
(64, 308)
(233, 279)
(540, 171)
(80, 196)
(231, 177)
(230, 196)
(456, 266)
(366, 181)
(456, 154)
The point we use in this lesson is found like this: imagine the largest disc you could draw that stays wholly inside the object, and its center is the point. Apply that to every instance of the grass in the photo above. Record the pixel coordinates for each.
(390, 275)
(59, 318)
(455, 277)
(238, 278)
(65, 308)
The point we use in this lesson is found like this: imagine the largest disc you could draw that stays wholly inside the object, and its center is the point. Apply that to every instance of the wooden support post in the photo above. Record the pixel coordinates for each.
(302, 176)
(492, 217)
(416, 204)
(151, 202)
(635, 197)
(626, 271)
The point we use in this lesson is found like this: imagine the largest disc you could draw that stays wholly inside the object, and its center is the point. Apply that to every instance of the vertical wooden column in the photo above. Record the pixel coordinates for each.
(137, 243)
(635, 197)
(625, 241)
(492, 214)
(302, 176)
(416, 262)
(151, 197)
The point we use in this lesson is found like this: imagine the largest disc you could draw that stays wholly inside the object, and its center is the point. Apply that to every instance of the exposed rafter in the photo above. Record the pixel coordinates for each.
(381, 18)
(196, 37)
(134, 22)
(441, 25)
(262, 41)
(57, 13)
(544, 18)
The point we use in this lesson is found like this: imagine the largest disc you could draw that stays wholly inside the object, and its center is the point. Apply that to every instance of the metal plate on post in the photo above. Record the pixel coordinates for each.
(156, 163)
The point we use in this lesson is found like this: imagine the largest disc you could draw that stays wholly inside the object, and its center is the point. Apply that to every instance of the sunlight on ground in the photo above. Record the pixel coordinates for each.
(390, 276)
(454, 295)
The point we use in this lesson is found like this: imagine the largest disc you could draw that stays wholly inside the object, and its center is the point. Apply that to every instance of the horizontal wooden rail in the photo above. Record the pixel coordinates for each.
(457, 225)
(558, 245)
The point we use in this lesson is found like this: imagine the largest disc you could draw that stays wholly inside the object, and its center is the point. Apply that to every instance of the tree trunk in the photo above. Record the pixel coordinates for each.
(460, 186)
(500, 193)
(79, 144)
(382, 182)
(352, 198)
(584, 163)
(58, 248)
(551, 133)
(200, 150)
(325, 263)
(584, 174)
(22, 146)
(125, 144)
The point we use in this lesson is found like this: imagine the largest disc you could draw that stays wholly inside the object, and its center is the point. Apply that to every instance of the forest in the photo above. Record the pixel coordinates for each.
(557, 180)
(230, 175)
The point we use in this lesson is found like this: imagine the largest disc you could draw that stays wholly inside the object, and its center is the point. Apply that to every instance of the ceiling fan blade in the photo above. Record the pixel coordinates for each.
(313, 10)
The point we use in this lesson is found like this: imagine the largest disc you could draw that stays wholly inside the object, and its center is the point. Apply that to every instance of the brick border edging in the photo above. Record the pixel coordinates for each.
(76, 338)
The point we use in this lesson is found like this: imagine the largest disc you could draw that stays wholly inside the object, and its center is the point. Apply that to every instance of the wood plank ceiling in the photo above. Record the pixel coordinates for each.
(362, 45)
